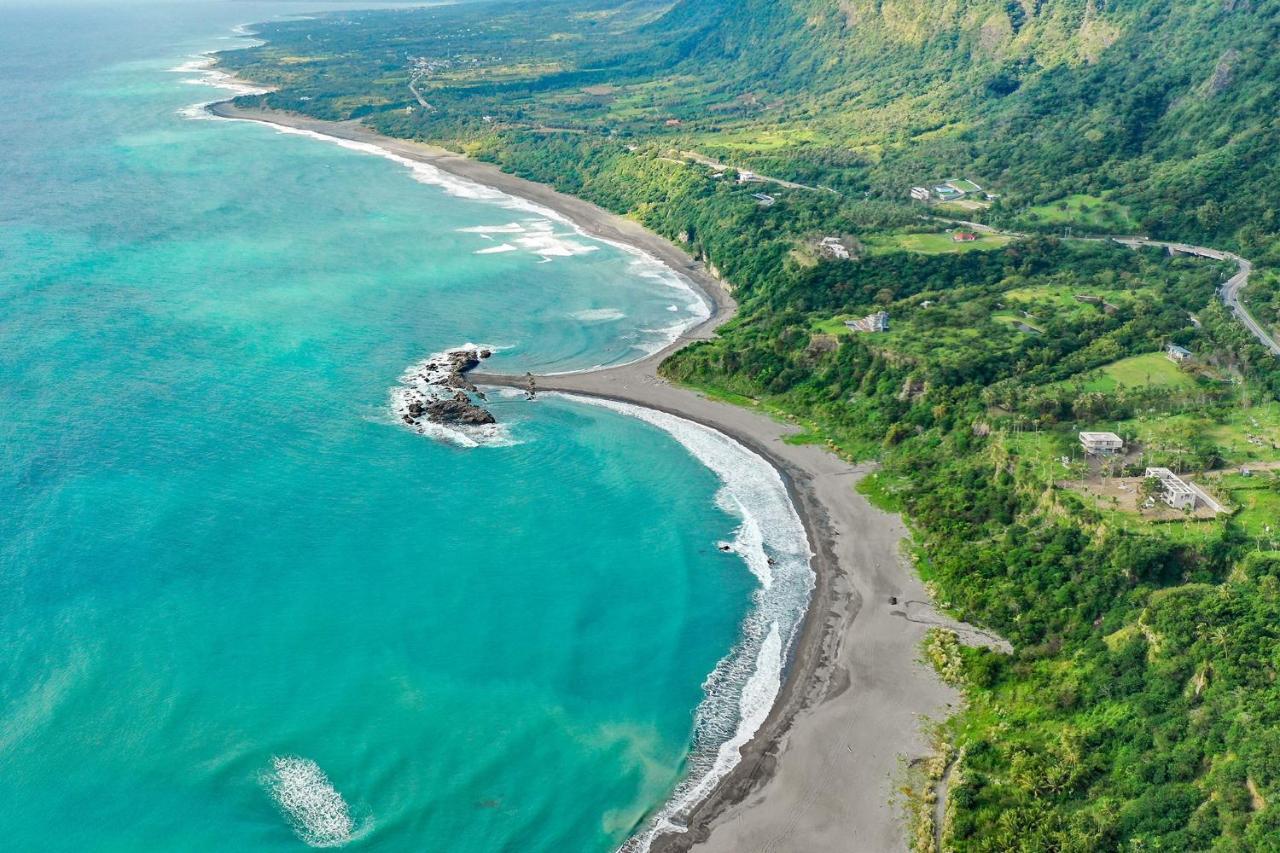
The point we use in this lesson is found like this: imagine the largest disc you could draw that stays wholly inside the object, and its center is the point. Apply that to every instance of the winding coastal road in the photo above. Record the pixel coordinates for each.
(1230, 289)
(1229, 292)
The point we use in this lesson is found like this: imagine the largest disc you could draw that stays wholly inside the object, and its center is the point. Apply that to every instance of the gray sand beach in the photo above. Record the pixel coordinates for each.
(821, 773)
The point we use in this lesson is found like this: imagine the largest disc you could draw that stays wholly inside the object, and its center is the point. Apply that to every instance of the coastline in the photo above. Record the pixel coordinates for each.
(593, 220)
(819, 773)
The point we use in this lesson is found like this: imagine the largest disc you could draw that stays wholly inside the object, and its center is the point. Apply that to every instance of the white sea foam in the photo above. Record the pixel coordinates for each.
(425, 381)
(497, 250)
(204, 65)
(598, 315)
(542, 241)
(314, 808)
(772, 542)
(539, 236)
(509, 228)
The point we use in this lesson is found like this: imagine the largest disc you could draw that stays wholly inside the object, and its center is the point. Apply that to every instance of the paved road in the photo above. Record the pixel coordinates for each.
(715, 164)
(1230, 289)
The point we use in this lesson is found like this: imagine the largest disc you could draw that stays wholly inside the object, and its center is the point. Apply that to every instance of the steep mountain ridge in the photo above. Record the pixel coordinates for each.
(1171, 104)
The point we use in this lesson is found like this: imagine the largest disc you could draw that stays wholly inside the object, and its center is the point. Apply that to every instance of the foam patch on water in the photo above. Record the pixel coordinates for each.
(497, 250)
(314, 808)
(598, 315)
(509, 228)
(772, 542)
(425, 381)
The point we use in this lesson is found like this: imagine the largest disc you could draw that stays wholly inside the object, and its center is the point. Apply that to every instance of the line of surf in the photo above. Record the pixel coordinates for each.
(696, 305)
(646, 265)
(771, 540)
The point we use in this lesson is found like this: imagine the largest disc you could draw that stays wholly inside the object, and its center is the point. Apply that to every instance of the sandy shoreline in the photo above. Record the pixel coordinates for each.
(819, 775)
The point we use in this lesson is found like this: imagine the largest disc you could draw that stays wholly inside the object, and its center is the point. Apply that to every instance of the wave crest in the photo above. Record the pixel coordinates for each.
(772, 541)
(314, 808)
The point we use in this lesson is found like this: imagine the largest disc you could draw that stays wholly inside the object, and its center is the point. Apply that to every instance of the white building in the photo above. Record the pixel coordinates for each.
(1101, 443)
(1173, 352)
(920, 193)
(834, 247)
(1177, 493)
(877, 322)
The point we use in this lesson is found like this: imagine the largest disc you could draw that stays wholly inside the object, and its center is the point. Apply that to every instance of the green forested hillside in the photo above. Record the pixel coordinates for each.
(1166, 106)
(1140, 709)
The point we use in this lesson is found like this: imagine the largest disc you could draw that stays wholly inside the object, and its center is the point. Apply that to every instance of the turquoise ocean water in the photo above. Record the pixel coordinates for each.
(240, 607)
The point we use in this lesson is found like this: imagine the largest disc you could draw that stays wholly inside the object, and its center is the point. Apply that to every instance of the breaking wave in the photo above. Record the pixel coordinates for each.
(204, 65)
(314, 808)
(771, 540)
(538, 236)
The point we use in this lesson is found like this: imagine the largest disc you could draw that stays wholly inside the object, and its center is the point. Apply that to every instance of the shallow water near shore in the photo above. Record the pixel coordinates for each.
(245, 609)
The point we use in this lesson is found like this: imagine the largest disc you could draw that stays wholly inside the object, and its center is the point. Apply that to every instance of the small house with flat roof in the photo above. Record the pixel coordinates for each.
(1101, 443)
(1177, 354)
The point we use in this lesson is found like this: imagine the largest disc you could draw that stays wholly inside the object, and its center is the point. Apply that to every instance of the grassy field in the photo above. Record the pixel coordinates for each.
(1017, 320)
(931, 244)
(1258, 499)
(834, 325)
(1241, 435)
(1057, 302)
(964, 207)
(1084, 211)
(1140, 370)
(1064, 296)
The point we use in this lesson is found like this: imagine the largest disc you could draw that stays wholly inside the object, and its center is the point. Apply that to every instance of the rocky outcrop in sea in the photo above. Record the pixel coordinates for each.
(437, 391)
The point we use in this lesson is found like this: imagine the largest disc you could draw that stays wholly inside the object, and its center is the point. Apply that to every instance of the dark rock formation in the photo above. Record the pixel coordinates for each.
(458, 410)
(442, 376)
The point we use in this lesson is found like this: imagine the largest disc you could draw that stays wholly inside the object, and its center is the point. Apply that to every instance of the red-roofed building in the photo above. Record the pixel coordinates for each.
(964, 237)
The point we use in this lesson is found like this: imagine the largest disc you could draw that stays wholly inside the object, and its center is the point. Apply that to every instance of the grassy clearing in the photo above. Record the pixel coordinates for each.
(1258, 499)
(932, 243)
(963, 207)
(1086, 211)
(834, 325)
(1064, 296)
(1151, 369)
(760, 140)
(1017, 321)
(883, 490)
(1242, 436)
